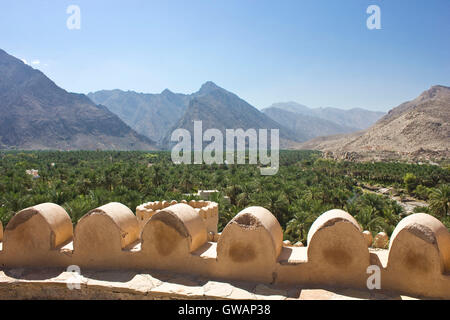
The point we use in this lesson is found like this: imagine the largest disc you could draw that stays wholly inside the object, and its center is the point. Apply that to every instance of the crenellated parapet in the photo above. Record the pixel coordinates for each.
(175, 238)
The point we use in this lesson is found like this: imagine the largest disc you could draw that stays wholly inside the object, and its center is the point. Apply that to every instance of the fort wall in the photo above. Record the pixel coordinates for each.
(176, 237)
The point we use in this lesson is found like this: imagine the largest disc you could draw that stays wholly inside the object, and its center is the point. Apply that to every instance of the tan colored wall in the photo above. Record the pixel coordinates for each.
(175, 239)
(208, 210)
(250, 245)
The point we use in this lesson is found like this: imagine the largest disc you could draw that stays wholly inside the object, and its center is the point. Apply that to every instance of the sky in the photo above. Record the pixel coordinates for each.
(318, 53)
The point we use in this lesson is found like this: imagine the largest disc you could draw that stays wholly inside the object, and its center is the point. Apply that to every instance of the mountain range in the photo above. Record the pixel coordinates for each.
(220, 109)
(37, 114)
(345, 120)
(419, 128)
(157, 115)
(151, 115)
(305, 127)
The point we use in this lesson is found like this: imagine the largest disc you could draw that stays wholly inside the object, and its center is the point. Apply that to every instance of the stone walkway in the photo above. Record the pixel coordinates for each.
(53, 284)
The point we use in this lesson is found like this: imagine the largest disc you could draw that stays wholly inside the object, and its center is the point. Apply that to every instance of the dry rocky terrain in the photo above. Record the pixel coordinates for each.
(417, 129)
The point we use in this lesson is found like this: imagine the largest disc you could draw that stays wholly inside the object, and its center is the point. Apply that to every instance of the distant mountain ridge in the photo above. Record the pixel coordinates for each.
(157, 115)
(149, 114)
(414, 128)
(220, 109)
(347, 120)
(37, 114)
(305, 126)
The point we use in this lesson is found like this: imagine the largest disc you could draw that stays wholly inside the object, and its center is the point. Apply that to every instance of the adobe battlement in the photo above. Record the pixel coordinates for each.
(173, 237)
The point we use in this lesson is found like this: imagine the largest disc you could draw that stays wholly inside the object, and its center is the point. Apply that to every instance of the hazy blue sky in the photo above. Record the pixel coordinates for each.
(318, 53)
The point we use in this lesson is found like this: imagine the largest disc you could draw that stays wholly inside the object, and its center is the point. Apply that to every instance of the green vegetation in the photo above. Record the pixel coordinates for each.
(305, 186)
(439, 200)
(410, 182)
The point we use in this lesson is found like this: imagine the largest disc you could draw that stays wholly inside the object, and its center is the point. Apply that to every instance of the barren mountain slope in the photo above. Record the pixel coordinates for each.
(420, 126)
(37, 114)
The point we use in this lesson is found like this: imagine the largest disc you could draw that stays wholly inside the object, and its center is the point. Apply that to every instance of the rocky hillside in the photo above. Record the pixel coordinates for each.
(305, 126)
(37, 114)
(220, 109)
(415, 129)
(157, 115)
(149, 114)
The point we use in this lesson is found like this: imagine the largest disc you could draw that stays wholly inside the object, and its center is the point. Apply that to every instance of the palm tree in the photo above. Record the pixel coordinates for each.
(369, 220)
(439, 200)
(79, 206)
(300, 224)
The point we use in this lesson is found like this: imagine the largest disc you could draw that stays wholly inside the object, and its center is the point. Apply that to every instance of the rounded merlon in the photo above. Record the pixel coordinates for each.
(336, 246)
(329, 218)
(369, 238)
(52, 217)
(381, 240)
(258, 220)
(182, 220)
(106, 230)
(429, 230)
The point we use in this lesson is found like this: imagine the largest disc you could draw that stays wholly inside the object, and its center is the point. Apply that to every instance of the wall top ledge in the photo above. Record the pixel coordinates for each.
(126, 285)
